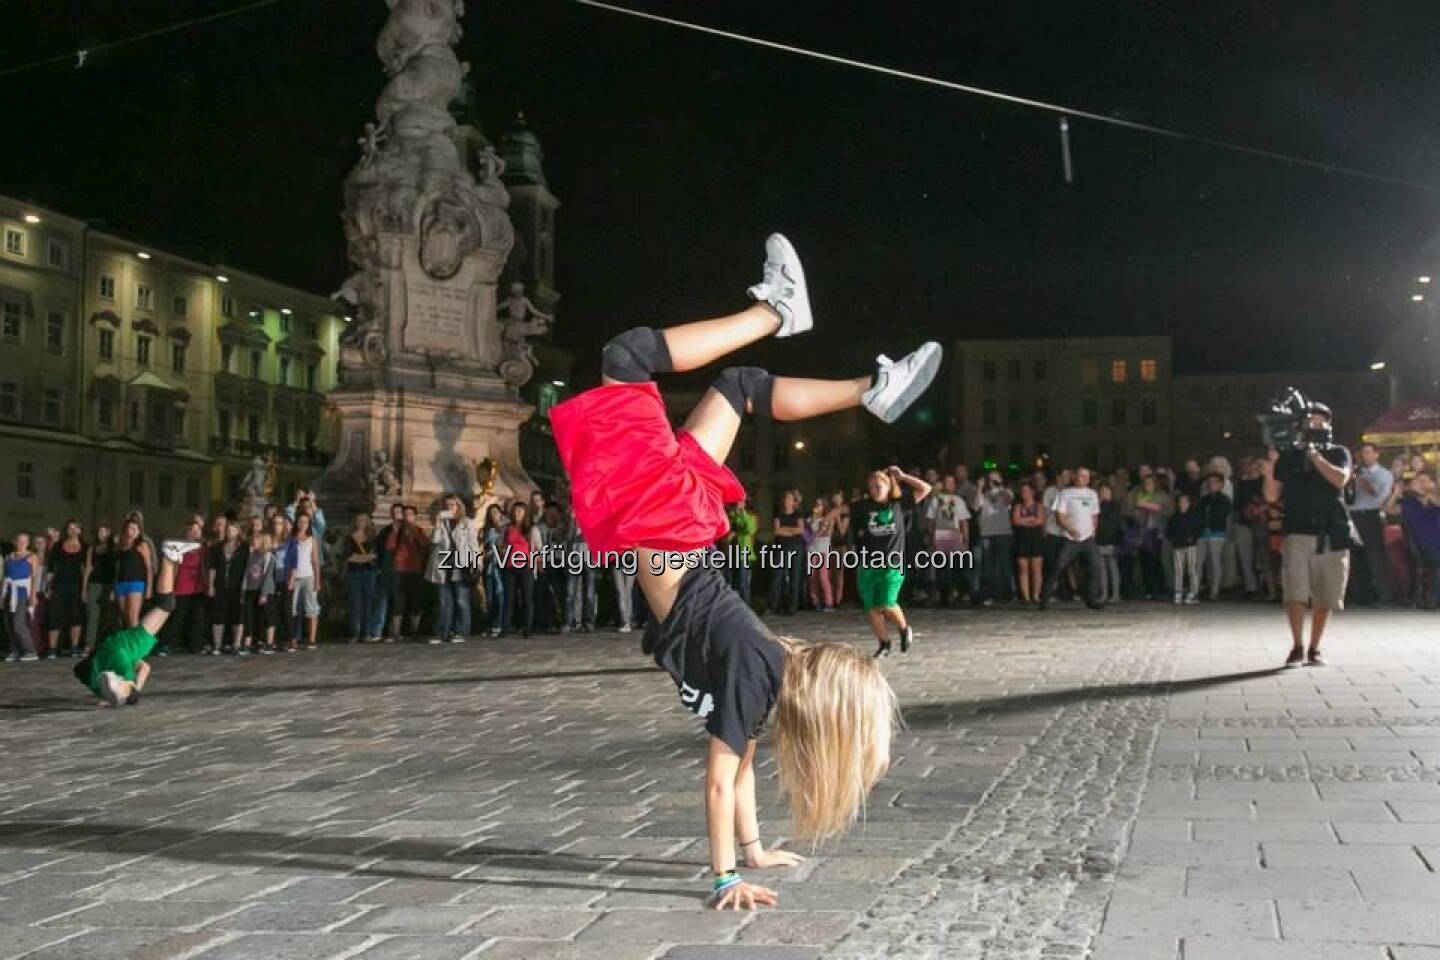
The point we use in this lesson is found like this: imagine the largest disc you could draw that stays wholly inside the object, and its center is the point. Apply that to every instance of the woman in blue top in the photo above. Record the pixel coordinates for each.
(17, 596)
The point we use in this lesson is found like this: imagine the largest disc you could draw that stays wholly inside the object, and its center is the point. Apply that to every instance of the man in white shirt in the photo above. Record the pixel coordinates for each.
(1373, 486)
(1076, 509)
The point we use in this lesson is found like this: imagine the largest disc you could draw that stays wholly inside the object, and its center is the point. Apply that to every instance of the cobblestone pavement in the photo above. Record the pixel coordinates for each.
(1137, 783)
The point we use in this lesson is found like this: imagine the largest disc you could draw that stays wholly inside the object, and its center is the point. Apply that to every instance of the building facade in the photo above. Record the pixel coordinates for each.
(1018, 405)
(1215, 412)
(134, 378)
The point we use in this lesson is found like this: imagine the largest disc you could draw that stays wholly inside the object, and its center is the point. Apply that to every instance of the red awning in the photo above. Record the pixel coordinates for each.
(1417, 416)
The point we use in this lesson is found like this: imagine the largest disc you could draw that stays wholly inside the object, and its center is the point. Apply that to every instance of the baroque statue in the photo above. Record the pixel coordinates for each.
(522, 320)
(412, 182)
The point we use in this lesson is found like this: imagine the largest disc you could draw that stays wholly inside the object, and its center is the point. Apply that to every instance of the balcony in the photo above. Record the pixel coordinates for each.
(230, 447)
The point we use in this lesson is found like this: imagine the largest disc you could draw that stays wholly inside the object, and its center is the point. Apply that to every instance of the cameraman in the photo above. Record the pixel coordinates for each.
(1309, 480)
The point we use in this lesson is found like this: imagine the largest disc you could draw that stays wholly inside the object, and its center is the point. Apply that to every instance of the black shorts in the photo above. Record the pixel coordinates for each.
(406, 593)
(65, 609)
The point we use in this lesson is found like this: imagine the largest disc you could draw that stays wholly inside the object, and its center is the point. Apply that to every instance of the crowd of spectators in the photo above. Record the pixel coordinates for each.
(281, 581)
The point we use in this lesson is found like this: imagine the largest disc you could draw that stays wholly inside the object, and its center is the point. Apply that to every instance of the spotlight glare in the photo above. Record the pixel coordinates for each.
(31, 219)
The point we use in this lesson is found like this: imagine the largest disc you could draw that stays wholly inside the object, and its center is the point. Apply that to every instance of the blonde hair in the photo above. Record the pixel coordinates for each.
(890, 488)
(834, 719)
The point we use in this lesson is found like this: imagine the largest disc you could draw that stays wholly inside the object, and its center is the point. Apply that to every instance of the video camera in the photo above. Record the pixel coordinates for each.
(1285, 426)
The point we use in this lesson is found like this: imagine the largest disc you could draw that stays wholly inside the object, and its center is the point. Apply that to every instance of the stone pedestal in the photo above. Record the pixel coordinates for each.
(434, 439)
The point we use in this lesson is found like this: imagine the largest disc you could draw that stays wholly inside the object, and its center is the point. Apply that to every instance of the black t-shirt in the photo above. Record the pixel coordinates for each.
(880, 526)
(66, 570)
(1247, 492)
(352, 548)
(1311, 504)
(724, 662)
(790, 519)
(102, 565)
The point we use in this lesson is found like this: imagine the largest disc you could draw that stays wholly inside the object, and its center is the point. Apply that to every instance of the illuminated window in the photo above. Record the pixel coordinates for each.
(1149, 371)
(1119, 371)
(1089, 372)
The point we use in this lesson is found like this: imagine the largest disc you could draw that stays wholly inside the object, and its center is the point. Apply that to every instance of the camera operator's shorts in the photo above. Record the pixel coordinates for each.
(1314, 578)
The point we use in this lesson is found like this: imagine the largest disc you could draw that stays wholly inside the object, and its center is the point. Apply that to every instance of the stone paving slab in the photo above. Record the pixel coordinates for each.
(1135, 783)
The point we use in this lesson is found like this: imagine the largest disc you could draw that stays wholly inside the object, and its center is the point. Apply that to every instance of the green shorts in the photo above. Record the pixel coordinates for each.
(120, 653)
(879, 586)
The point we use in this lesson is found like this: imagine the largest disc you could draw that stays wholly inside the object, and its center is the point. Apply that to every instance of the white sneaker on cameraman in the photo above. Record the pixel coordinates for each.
(175, 550)
(899, 383)
(783, 287)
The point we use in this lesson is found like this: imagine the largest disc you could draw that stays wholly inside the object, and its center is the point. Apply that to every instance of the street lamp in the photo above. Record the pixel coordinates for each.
(799, 444)
(1378, 365)
(1417, 297)
(1422, 279)
(31, 219)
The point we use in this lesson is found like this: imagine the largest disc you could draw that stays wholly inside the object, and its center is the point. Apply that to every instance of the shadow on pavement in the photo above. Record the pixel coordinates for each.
(933, 714)
(364, 857)
(82, 701)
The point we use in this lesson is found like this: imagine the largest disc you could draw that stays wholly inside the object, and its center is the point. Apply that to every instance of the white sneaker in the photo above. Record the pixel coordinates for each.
(110, 689)
(783, 287)
(175, 550)
(899, 383)
(435, 641)
(623, 628)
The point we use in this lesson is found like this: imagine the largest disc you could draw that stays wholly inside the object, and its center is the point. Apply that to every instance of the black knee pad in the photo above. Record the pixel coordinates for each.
(165, 601)
(739, 384)
(635, 355)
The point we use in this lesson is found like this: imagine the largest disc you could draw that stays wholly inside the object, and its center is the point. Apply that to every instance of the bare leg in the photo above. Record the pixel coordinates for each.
(702, 342)
(1022, 569)
(155, 618)
(1295, 612)
(1318, 618)
(877, 624)
(896, 616)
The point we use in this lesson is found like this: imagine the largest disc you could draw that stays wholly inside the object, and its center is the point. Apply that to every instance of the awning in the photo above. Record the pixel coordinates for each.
(1416, 423)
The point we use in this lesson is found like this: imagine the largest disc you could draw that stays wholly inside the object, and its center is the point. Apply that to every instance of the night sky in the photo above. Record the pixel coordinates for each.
(918, 211)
